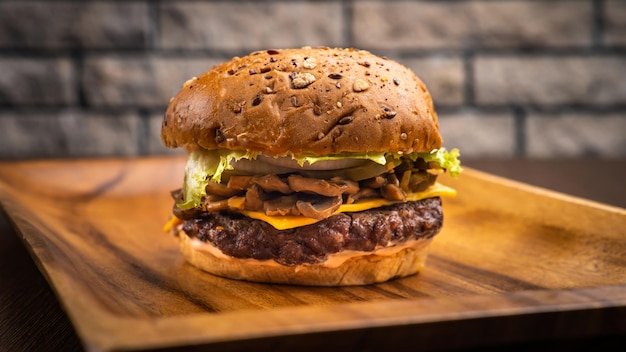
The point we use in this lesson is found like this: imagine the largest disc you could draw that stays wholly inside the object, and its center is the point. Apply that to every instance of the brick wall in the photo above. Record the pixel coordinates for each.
(510, 78)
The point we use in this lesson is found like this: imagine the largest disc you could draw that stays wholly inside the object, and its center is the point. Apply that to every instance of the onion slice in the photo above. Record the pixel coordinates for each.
(351, 169)
(259, 167)
(289, 162)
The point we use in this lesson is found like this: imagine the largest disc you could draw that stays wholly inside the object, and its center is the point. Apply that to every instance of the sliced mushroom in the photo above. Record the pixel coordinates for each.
(183, 214)
(347, 186)
(210, 202)
(219, 189)
(240, 183)
(214, 203)
(312, 185)
(405, 179)
(362, 194)
(393, 179)
(319, 207)
(392, 191)
(272, 183)
(254, 198)
(374, 182)
(284, 205)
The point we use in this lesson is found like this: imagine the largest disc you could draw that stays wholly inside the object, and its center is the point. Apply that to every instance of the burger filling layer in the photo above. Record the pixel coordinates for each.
(307, 188)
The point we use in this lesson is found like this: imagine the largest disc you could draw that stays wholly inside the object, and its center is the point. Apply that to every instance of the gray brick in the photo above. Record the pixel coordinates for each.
(250, 25)
(460, 24)
(576, 134)
(443, 76)
(550, 80)
(74, 24)
(478, 133)
(138, 80)
(154, 144)
(68, 133)
(615, 23)
(32, 81)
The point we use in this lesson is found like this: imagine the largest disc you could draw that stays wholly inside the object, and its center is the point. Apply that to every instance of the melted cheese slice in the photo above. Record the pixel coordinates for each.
(290, 221)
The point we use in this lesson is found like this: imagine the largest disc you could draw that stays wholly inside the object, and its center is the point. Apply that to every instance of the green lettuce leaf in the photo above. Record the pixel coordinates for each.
(202, 166)
(448, 160)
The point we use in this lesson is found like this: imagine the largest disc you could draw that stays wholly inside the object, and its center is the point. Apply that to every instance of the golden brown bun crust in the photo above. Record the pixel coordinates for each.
(317, 101)
(363, 270)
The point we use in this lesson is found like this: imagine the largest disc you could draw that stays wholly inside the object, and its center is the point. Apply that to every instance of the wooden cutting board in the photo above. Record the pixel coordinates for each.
(513, 263)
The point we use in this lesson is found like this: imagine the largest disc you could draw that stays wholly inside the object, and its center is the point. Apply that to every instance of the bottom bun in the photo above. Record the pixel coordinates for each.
(353, 269)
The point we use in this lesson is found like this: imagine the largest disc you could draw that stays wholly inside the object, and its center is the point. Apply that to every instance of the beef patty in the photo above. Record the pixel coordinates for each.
(242, 237)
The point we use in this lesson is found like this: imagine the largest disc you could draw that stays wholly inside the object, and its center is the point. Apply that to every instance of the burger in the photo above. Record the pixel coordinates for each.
(308, 166)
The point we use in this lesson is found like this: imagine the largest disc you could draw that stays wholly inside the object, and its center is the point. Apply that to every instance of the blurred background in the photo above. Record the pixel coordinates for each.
(510, 79)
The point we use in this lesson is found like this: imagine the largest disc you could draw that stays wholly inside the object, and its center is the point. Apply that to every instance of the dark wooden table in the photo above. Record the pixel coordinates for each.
(31, 318)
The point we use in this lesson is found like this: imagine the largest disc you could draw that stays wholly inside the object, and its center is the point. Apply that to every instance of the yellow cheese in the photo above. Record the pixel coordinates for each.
(172, 223)
(290, 221)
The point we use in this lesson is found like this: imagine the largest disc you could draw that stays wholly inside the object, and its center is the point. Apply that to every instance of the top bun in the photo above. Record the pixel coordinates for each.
(308, 101)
